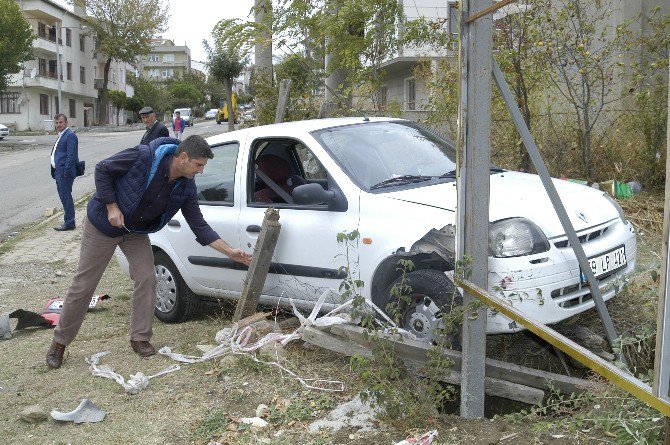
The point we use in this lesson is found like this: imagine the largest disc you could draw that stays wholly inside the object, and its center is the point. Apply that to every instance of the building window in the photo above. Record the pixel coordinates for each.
(9, 103)
(52, 33)
(68, 37)
(453, 18)
(154, 57)
(114, 76)
(382, 97)
(69, 71)
(82, 41)
(168, 57)
(42, 63)
(410, 94)
(82, 74)
(44, 104)
(122, 78)
(73, 108)
(168, 72)
(57, 103)
(53, 69)
(153, 72)
(42, 30)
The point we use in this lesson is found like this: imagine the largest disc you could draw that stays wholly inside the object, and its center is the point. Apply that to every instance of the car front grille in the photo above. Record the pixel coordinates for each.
(577, 294)
(562, 242)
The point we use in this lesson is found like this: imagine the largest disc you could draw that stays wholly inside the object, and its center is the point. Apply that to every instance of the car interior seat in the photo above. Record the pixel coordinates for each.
(279, 171)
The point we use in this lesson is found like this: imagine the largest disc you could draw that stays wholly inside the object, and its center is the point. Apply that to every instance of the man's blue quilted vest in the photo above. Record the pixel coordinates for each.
(130, 187)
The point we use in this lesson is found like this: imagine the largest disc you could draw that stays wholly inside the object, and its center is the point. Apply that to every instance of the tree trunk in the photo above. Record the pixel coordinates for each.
(263, 57)
(104, 98)
(229, 104)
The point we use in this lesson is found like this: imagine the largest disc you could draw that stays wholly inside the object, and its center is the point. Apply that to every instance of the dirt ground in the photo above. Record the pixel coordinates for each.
(200, 403)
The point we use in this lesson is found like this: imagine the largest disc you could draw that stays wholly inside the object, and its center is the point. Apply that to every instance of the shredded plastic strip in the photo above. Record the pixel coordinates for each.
(135, 384)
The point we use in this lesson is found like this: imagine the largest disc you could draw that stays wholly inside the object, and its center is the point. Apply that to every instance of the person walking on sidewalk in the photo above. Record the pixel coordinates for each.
(155, 129)
(122, 214)
(178, 125)
(64, 160)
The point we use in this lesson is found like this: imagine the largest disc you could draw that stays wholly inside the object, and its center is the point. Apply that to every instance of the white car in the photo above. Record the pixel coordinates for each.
(4, 132)
(393, 182)
(211, 114)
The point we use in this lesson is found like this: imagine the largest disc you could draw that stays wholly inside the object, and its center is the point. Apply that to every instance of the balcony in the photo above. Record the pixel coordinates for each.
(44, 45)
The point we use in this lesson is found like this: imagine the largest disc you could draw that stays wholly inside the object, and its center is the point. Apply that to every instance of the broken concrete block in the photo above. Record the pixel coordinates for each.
(49, 211)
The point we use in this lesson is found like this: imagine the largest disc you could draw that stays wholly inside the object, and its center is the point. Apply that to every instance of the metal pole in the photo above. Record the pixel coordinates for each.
(473, 195)
(58, 69)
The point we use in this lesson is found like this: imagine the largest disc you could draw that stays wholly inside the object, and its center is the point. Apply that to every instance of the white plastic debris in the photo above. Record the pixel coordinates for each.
(86, 412)
(254, 421)
(135, 384)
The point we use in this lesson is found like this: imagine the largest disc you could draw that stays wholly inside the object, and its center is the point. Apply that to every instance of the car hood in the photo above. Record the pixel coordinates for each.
(515, 194)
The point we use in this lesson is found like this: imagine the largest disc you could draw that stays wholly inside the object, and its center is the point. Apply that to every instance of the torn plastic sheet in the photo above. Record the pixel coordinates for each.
(5, 329)
(135, 384)
(426, 439)
(86, 412)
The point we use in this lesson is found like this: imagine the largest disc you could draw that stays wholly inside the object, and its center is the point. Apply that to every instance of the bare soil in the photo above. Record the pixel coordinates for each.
(200, 403)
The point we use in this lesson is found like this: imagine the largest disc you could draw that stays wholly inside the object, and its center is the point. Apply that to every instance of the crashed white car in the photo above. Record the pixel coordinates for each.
(394, 182)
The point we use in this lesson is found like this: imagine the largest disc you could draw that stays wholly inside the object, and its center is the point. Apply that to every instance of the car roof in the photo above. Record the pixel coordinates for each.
(296, 127)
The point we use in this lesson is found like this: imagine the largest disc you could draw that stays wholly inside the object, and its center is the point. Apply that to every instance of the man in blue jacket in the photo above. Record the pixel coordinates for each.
(64, 159)
(138, 191)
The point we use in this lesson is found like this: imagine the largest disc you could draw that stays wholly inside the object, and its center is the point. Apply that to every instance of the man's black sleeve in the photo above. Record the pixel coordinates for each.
(163, 131)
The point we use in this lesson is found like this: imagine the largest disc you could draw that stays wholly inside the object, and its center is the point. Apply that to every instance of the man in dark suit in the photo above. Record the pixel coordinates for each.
(64, 160)
(155, 129)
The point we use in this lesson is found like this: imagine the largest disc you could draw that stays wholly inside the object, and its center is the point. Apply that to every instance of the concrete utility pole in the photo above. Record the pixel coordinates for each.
(263, 49)
(473, 193)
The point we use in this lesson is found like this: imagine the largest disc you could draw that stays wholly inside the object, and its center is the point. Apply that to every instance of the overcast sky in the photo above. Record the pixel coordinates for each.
(191, 21)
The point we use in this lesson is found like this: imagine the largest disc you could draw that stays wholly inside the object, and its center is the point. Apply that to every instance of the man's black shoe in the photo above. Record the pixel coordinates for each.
(64, 228)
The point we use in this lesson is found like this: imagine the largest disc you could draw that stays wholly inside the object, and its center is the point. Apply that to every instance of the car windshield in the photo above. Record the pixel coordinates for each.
(380, 155)
(183, 112)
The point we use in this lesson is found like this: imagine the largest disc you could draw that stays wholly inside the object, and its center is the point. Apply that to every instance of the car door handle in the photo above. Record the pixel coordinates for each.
(174, 223)
(254, 228)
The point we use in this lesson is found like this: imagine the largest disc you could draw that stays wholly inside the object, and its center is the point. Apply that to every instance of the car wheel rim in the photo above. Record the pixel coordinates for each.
(422, 318)
(166, 289)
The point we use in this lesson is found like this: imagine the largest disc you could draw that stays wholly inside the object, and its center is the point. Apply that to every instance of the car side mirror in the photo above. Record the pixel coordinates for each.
(313, 193)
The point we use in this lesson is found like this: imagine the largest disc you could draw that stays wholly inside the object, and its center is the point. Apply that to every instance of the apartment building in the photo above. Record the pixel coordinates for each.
(31, 100)
(166, 60)
(118, 72)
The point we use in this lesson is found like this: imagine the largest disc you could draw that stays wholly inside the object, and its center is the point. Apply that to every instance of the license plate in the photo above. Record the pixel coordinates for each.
(607, 262)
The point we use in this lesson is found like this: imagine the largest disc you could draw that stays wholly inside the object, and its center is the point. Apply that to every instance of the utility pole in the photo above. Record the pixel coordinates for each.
(263, 51)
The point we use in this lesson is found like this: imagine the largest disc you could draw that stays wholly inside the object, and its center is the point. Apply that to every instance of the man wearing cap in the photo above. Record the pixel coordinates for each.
(155, 129)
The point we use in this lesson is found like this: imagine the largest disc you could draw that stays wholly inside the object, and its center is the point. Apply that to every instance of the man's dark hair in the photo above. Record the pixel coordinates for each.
(59, 115)
(195, 147)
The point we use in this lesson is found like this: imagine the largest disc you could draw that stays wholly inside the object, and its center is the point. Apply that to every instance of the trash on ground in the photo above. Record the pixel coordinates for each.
(423, 440)
(55, 307)
(135, 384)
(352, 414)
(254, 421)
(86, 412)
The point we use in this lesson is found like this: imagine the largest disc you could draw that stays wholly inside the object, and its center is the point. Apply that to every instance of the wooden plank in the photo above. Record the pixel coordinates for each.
(510, 372)
(493, 387)
(260, 264)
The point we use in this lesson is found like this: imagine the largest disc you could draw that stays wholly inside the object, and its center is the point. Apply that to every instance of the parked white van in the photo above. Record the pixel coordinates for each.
(185, 114)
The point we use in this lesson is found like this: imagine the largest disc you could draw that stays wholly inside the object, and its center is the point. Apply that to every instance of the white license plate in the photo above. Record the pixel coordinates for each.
(607, 262)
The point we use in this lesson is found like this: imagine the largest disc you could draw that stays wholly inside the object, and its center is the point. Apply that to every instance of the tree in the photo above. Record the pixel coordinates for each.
(123, 29)
(16, 40)
(583, 49)
(225, 63)
(150, 94)
(119, 100)
(183, 94)
(134, 105)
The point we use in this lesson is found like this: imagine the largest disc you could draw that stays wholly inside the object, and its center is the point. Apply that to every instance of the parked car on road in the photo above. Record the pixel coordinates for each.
(395, 183)
(4, 132)
(211, 114)
(186, 114)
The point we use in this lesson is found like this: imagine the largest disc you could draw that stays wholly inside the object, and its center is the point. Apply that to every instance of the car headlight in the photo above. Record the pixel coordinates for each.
(516, 237)
(616, 206)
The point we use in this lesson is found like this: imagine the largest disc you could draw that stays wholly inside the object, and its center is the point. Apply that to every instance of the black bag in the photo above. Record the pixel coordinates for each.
(81, 167)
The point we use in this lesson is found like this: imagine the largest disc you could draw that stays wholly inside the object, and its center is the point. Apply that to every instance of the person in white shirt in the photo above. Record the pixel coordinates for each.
(64, 160)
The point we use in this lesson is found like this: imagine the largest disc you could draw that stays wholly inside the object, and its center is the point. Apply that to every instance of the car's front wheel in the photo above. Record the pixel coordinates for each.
(421, 300)
(175, 302)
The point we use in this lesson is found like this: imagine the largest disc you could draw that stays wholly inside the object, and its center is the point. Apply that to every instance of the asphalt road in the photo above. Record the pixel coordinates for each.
(26, 186)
